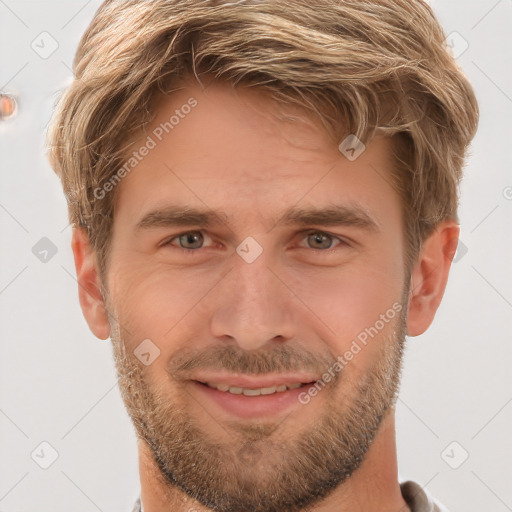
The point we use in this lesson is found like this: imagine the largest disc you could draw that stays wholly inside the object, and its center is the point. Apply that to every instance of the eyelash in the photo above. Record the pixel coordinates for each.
(342, 241)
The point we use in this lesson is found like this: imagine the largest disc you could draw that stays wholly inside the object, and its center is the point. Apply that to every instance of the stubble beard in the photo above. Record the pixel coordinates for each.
(257, 471)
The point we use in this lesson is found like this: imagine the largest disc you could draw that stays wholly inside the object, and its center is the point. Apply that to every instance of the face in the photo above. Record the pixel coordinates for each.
(256, 290)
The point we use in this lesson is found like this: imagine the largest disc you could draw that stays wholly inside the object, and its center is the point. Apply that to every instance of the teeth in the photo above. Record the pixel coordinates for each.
(254, 392)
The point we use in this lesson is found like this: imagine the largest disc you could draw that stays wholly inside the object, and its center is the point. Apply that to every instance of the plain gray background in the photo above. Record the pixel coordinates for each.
(57, 381)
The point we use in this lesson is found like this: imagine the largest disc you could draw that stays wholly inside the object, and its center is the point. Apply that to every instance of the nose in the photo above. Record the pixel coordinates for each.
(253, 306)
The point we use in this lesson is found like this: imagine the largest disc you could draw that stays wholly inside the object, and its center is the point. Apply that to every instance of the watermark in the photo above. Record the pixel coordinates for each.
(456, 44)
(507, 193)
(44, 455)
(352, 147)
(45, 45)
(249, 250)
(44, 250)
(146, 352)
(455, 455)
(249, 454)
(462, 250)
(151, 142)
(354, 349)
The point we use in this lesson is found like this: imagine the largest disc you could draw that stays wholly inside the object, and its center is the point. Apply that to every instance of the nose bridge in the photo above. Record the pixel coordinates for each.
(253, 305)
(254, 284)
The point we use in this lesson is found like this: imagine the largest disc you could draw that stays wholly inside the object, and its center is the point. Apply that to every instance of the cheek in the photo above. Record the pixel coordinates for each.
(156, 302)
(357, 306)
(350, 299)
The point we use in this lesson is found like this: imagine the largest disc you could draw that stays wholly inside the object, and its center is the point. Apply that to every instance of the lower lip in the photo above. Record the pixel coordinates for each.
(249, 407)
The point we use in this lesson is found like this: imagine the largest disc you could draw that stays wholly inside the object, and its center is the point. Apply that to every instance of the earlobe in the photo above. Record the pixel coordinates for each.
(89, 284)
(430, 275)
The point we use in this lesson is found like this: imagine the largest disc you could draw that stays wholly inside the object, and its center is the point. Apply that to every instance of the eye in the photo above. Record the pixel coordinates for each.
(321, 240)
(189, 241)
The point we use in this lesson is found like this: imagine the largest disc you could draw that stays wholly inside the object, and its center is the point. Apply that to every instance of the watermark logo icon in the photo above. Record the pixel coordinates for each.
(44, 455)
(249, 454)
(146, 352)
(461, 251)
(352, 147)
(44, 250)
(457, 44)
(45, 45)
(455, 455)
(249, 250)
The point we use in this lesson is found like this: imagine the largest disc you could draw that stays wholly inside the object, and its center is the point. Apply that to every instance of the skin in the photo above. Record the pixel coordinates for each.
(237, 152)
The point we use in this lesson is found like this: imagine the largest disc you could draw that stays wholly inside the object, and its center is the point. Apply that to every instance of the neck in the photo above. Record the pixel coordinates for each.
(373, 487)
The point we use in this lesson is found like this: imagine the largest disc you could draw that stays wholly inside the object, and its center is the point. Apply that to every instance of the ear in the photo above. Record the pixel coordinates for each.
(430, 275)
(89, 284)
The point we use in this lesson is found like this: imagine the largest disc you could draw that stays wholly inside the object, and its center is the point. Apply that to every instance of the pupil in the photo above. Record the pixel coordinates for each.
(189, 238)
(318, 239)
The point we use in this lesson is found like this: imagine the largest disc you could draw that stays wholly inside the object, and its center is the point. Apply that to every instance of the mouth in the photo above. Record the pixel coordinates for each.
(249, 398)
(251, 391)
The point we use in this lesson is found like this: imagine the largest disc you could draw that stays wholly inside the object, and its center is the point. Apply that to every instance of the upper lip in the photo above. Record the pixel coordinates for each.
(254, 382)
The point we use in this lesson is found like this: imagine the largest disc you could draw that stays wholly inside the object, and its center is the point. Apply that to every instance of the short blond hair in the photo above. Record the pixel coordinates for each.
(363, 67)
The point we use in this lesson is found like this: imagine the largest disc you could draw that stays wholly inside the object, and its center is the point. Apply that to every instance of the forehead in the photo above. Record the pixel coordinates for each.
(236, 149)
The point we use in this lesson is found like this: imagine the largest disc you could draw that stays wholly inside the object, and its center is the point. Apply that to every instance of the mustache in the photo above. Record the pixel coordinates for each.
(282, 358)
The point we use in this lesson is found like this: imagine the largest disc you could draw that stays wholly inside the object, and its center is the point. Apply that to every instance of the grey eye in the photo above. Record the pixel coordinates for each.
(195, 238)
(320, 240)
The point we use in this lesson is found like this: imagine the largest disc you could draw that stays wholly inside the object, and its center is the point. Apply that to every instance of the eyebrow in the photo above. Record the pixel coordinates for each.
(331, 215)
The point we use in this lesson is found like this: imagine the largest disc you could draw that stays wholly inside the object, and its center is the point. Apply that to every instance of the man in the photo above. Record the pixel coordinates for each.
(264, 201)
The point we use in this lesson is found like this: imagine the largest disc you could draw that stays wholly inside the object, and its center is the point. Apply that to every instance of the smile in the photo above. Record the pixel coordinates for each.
(236, 390)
